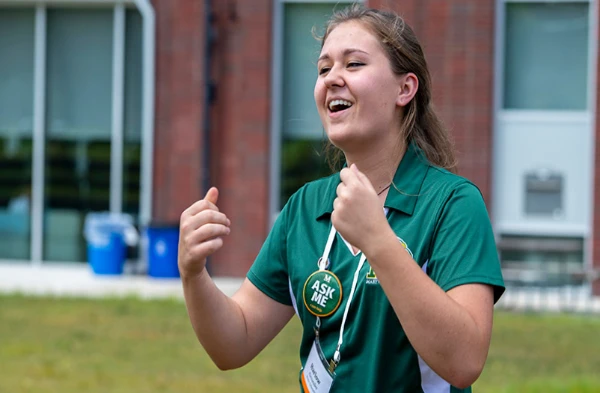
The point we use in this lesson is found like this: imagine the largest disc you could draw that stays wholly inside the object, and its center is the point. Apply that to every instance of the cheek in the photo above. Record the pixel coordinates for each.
(319, 94)
(384, 95)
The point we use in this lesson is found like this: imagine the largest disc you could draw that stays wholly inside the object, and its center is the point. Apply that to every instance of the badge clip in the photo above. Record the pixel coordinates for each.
(332, 365)
(335, 360)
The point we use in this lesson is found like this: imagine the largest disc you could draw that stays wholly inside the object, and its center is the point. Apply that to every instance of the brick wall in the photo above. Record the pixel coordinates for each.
(240, 127)
(178, 143)
(238, 121)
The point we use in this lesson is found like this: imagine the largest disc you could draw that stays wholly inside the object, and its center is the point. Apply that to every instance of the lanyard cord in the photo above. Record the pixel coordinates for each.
(322, 266)
(330, 239)
(336, 355)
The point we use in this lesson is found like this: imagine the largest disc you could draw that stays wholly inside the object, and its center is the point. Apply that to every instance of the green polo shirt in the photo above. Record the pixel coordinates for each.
(442, 220)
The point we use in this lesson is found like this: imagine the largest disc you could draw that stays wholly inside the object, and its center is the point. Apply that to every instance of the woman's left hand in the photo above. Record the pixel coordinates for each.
(357, 212)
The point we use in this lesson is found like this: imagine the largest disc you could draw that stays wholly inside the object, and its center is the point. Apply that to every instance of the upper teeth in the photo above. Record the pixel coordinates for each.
(339, 102)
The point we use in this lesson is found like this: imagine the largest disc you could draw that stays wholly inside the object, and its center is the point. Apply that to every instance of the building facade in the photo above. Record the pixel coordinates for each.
(137, 106)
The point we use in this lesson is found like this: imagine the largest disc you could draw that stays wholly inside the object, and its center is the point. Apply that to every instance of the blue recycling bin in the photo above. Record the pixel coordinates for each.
(108, 235)
(107, 257)
(163, 242)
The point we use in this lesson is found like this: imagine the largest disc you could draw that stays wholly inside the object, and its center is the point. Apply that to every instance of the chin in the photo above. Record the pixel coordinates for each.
(338, 139)
(344, 141)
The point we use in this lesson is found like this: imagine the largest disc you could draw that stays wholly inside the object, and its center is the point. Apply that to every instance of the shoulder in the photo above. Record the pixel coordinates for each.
(320, 185)
(448, 185)
(458, 201)
(314, 194)
(448, 195)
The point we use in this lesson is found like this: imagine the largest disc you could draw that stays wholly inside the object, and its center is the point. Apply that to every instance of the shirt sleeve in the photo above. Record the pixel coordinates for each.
(269, 271)
(463, 247)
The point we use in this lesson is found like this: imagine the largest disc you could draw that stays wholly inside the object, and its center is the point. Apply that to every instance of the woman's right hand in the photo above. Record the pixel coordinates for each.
(201, 228)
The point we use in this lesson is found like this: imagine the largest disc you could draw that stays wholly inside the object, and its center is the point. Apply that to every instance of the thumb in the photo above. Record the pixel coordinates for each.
(212, 195)
(361, 176)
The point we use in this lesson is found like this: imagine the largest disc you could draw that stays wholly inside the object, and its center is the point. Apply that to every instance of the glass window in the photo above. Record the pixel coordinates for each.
(546, 56)
(303, 138)
(132, 130)
(78, 126)
(16, 130)
(545, 261)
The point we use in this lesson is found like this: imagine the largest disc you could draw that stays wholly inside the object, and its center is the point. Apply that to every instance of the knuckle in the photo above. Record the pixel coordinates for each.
(212, 215)
(215, 216)
(220, 230)
(184, 227)
(188, 240)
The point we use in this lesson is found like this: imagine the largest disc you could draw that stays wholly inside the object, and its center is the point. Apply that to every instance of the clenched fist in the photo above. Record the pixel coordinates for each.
(201, 229)
(357, 212)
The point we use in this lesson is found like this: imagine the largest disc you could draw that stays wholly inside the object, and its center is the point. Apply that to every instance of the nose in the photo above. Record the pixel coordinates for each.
(334, 78)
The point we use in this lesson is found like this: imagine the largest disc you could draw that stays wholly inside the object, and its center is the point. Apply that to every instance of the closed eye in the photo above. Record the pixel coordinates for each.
(323, 70)
(354, 64)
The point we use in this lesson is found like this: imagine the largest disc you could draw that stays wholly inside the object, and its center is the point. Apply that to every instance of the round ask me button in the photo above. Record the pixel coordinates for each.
(322, 293)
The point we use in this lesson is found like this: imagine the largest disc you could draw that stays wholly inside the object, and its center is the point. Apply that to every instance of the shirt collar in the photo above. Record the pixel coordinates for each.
(403, 193)
(408, 180)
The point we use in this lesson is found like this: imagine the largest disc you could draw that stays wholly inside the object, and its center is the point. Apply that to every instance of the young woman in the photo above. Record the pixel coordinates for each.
(390, 264)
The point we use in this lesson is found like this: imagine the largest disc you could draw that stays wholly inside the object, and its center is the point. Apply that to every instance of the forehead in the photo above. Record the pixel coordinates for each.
(351, 34)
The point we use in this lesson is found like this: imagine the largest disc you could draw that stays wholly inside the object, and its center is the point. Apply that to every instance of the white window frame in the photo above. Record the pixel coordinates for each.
(118, 64)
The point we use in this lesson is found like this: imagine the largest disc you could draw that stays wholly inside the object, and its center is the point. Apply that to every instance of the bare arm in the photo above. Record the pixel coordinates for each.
(450, 331)
(232, 330)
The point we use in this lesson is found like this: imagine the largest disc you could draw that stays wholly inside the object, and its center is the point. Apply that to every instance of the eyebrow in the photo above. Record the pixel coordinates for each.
(346, 53)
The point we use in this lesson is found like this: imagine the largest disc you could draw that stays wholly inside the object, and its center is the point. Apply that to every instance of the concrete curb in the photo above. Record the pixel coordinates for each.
(80, 281)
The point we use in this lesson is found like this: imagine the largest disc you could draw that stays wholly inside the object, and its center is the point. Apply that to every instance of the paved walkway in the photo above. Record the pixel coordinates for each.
(78, 280)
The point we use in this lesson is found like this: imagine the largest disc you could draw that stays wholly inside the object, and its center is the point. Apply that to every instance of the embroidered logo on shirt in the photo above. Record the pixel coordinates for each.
(371, 277)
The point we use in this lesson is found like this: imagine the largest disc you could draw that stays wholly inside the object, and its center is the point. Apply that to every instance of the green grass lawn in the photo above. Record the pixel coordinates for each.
(131, 345)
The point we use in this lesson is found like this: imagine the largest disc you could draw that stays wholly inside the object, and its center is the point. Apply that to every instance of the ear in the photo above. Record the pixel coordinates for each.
(409, 84)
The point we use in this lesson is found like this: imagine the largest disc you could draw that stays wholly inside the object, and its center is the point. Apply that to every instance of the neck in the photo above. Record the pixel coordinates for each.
(379, 165)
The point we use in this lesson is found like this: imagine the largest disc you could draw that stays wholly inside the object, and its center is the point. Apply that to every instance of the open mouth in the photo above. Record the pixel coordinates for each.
(339, 105)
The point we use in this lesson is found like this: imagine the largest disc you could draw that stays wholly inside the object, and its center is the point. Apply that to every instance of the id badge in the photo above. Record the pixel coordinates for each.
(315, 376)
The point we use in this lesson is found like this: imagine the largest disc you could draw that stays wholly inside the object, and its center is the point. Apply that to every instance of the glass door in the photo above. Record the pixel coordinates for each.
(16, 130)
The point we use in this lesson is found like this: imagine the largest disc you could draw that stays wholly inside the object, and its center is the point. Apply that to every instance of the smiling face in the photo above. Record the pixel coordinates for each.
(357, 94)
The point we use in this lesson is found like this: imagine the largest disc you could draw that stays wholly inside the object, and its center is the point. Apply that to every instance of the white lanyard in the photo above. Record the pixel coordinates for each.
(322, 266)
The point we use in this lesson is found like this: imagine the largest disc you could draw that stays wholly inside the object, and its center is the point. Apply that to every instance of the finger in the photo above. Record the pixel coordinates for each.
(212, 195)
(208, 247)
(340, 189)
(362, 177)
(337, 205)
(208, 232)
(204, 217)
(197, 207)
(208, 202)
(348, 177)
